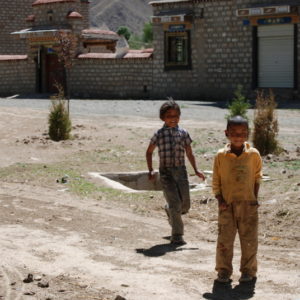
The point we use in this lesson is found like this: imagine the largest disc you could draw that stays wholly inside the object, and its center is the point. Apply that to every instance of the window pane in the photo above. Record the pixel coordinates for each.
(177, 49)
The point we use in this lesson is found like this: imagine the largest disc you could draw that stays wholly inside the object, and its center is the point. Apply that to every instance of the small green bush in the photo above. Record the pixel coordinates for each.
(148, 33)
(59, 121)
(265, 124)
(125, 31)
(239, 104)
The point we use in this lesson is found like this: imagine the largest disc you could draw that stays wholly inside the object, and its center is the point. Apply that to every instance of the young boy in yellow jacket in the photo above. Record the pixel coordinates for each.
(236, 177)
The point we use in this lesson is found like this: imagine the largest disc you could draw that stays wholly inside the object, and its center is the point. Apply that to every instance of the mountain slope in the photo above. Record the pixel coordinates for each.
(115, 13)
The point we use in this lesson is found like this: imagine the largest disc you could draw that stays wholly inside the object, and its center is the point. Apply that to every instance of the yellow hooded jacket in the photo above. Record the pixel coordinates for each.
(234, 176)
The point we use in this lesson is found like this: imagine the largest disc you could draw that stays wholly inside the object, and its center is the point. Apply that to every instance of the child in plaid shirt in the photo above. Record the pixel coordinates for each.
(173, 142)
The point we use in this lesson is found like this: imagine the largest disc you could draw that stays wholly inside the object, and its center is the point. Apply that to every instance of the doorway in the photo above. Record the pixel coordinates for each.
(54, 73)
(276, 56)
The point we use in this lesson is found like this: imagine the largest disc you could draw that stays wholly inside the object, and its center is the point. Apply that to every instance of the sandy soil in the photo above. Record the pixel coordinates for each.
(80, 240)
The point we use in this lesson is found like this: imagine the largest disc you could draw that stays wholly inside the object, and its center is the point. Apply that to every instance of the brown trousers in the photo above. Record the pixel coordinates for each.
(241, 217)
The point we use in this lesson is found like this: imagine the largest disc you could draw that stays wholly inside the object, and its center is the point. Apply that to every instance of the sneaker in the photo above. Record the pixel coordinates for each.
(246, 278)
(223, 278)
(177, 240)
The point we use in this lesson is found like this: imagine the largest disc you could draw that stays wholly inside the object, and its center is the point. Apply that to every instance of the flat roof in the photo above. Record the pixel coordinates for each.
(167, 1)
(38, 31)
(131, 54)
(13, 57)
(41, 2)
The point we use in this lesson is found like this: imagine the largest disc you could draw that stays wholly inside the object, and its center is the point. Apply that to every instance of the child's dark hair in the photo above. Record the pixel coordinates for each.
(237, 120)
(170, 104)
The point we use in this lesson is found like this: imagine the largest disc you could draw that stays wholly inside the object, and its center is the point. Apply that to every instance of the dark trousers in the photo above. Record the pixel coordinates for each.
(175, 186)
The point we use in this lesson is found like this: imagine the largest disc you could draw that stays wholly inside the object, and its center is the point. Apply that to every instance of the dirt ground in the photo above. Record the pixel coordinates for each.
(70, 238)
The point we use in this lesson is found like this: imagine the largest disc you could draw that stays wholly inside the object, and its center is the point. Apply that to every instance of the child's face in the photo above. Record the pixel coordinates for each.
(171, 118)
(237, 135)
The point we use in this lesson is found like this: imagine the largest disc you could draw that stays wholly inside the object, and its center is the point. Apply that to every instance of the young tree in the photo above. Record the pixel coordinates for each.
(59, 122)
(66, 46)
(239, 104)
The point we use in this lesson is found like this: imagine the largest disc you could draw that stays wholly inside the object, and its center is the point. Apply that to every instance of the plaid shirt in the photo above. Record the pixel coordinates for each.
(171, 143)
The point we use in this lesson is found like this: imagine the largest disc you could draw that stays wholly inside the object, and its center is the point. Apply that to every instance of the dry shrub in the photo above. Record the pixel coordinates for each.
(265, 124)
(59, 121)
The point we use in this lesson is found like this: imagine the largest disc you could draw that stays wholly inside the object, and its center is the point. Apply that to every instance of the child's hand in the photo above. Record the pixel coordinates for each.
(200, 175)
(151, 175)
(222, 203)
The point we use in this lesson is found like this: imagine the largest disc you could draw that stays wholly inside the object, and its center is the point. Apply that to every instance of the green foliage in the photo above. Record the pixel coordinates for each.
(123, 30)
(144, 40)
(135, 42)
(59, 121)
(148, 33)
(265, 124)
(239, 104)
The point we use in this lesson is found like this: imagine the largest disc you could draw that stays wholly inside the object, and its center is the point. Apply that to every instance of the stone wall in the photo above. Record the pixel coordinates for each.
(60, 12)
(17, 75)
(221, 56)
(12, 18)
(221, 52)
(90, 78)
(14, 13)
(112, 78)
(227, 50)
(181, 84)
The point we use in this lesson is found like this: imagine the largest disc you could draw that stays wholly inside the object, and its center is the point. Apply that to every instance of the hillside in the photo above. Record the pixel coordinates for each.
(115, 13)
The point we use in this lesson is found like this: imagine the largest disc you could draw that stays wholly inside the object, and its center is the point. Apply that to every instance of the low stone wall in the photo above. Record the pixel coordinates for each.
(17, 75)
(112, 78)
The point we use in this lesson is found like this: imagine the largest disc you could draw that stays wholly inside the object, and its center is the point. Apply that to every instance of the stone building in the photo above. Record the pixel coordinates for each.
(203, 49)
(102, 64)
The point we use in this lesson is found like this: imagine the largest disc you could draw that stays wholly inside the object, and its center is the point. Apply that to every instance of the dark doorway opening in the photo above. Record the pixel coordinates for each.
(49, 71)
(55, 73)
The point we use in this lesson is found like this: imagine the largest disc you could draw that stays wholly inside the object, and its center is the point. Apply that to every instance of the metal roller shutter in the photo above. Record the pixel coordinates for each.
(276, 56)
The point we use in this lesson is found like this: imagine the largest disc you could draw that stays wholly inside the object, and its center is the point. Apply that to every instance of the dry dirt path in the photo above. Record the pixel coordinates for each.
(100, 246)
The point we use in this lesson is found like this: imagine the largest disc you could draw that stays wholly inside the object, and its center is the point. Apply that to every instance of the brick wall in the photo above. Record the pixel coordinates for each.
(12, 18)
(112, 78)
(221, 52)
(181, 84)
(17, 75)
(14, 13)
(227, 50)
(60, 11)
(221, 56)
(91, 78)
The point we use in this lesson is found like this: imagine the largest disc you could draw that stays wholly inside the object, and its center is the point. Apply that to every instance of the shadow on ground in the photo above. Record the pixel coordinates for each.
(218, 104)
(224, 104)
(225, 291)
(161, 249)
